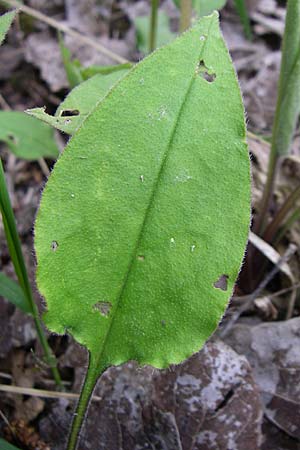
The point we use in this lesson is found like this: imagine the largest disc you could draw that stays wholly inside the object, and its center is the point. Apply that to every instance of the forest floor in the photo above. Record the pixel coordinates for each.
(242, 391)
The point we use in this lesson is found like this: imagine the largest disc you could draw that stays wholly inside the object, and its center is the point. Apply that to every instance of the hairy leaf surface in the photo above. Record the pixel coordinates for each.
(79, 103)
(27, 137)
(144, 220)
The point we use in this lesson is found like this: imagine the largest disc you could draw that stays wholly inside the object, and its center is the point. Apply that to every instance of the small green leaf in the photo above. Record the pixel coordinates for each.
(79, 103)
(164, 34)
(205, 7)
(10, 290)
(288, 103)
(26, 137)
(143, 223)
(88, 72)
(72, 67)
(5, 23)
(6, 446)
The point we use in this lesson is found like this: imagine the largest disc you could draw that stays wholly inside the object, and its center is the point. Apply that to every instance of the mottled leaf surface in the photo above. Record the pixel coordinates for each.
(5, 23)
(79, 103)
(148, 207)
(27, 137)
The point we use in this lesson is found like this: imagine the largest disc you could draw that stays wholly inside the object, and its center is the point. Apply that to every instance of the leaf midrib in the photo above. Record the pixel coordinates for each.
(154, 190)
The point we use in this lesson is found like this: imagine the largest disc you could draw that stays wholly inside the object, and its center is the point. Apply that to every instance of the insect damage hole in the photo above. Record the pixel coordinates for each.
(12, 138)
(103, 307)
(222, 282)
(54, 246)
(208, 74)
(141, 257)
(69, 113)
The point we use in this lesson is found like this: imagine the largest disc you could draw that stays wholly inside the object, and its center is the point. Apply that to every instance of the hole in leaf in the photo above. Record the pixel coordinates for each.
(103, 307)
(12, 138)
(222, 282)
(163, 323)
(206, 73)
(141, 257)
(54, 245)
(70, 113)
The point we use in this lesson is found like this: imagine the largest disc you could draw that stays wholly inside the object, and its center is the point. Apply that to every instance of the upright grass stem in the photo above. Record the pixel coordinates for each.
(153, 25)
(288, 105)
(185, 14)
(15, 251)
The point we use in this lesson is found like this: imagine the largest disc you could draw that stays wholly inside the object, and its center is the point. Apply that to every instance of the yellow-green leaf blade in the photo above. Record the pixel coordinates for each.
(147, 210)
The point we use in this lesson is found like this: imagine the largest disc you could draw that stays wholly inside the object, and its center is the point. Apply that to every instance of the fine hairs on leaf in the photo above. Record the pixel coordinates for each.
(148, 205)
(79, 103)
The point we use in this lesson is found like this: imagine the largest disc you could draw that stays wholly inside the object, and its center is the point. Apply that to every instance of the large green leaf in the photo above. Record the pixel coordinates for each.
(143, 223)
(10, 290)
(27, 137)
(5, 23)
(79, 103)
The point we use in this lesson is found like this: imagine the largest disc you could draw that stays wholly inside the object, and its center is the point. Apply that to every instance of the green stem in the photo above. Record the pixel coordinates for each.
(272, 228)
(153, 25)
(267, 193)
(287, 107)
(185, 14)
(241, 8)
(89, 384)
(14, 246)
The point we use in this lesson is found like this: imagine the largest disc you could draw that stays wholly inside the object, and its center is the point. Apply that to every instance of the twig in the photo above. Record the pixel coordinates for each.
(44, 168)
(18, 390)
(65, 29)
(274, 294)
(6, 421)
(287, 255)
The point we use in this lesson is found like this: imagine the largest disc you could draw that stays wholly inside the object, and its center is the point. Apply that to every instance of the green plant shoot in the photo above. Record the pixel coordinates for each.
(5, 23)
(144, 220)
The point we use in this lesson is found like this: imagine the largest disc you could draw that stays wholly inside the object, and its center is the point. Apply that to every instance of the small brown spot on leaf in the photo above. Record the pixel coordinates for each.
(141, 257)
(103, 307)
(221, 283)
